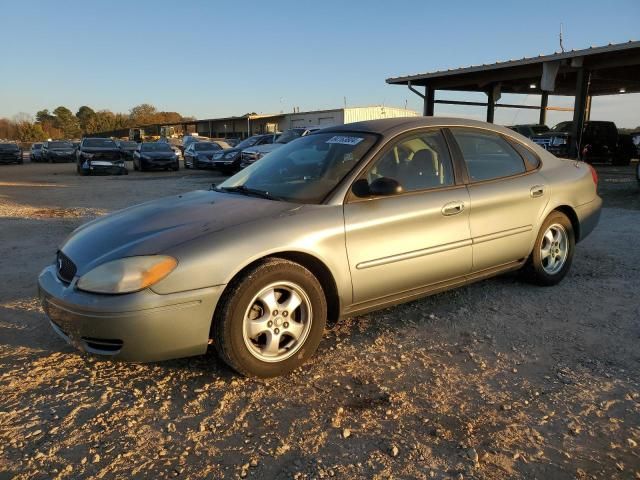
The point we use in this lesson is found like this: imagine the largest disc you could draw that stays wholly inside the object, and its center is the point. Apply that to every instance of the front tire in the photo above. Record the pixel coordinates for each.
(270, 320)
(553, 251)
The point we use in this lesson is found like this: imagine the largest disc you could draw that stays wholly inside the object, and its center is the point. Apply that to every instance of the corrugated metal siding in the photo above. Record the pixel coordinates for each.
(360, 114)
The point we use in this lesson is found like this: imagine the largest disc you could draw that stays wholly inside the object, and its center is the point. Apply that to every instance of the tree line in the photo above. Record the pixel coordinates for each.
(63, 123)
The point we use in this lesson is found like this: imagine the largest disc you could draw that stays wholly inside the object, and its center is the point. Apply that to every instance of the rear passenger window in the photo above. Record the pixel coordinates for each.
(488, 155)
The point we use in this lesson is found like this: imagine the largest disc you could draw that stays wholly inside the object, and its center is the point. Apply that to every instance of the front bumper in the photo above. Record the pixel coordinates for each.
(589, 216)
(159, 163)
(106, 167)
(10, 159)
(140, 327)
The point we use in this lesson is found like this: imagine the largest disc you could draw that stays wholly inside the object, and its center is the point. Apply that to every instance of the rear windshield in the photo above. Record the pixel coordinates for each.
(99, 142)
(60, 145)
(8, 147)
(155, 147)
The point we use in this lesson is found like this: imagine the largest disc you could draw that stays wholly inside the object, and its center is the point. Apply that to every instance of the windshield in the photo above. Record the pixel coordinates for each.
(249, 142)
(206, 146)
(8, 146)
(562, 127)
(56, 145)
(128, 144)
(155, 147)
(289, 135)
(99, 142)
(305, 170)
(36, 146)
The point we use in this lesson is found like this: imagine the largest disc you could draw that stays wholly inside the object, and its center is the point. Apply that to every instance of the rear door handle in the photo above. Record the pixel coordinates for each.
(537, 191)
(452, 208)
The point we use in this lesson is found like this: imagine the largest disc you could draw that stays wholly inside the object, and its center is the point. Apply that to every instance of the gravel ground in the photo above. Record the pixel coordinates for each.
(496, 380)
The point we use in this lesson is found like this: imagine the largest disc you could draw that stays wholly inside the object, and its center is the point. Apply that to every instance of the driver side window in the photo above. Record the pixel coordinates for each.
(419, 162)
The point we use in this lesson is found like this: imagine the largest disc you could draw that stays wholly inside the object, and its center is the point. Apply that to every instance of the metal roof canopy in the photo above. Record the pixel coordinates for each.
(595, 71)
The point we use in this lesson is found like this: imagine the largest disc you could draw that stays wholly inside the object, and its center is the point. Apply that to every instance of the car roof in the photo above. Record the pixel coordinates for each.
(392, 126)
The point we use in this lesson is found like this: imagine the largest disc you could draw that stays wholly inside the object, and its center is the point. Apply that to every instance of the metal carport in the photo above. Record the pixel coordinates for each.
(606, 70)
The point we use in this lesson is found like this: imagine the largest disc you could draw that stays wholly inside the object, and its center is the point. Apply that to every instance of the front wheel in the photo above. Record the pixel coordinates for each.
(271, 320)
(553, 251)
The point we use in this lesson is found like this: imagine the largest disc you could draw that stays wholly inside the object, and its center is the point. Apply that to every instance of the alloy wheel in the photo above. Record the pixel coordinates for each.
(277, 322)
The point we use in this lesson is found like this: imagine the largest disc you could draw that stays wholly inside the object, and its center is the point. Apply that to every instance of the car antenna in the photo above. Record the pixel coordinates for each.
(561, 44)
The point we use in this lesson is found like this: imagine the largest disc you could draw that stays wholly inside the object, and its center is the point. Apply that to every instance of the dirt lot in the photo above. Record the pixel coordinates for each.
(496, 380)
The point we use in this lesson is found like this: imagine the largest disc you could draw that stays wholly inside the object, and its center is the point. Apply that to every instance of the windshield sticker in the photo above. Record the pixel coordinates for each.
(345, 140)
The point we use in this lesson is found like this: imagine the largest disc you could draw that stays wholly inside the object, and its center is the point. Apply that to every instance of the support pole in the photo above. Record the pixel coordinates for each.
(544, 102)
(579, 109)
(491, 105)
(429, 101)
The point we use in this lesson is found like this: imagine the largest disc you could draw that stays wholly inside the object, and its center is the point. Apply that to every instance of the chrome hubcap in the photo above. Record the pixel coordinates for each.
(277, 322)
(554, 249)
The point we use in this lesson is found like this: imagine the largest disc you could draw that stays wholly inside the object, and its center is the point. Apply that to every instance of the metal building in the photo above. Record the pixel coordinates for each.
(606, 70)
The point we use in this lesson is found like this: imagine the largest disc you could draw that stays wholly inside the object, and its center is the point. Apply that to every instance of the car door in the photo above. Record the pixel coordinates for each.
(507, 195)
(417, 237)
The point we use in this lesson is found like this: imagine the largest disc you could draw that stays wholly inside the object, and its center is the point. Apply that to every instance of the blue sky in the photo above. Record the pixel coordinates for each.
(214, 58)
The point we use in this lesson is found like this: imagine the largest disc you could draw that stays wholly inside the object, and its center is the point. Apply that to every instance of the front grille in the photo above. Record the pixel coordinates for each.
(543, 142)
(103, 346)
(66, 268)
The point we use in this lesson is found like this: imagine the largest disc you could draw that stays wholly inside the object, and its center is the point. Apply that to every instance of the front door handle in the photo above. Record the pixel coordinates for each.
(452, 208)
(537, 191)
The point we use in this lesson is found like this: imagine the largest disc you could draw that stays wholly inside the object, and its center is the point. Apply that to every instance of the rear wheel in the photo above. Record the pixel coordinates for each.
(271, 320)
(553, 251)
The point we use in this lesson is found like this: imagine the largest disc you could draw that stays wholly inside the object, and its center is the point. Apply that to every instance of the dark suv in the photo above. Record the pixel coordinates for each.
(100, 155)
(600, 142)
(57, 151)
(10, 153)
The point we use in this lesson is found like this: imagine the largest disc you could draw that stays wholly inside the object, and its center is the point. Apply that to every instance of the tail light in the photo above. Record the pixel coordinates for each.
(594, 174)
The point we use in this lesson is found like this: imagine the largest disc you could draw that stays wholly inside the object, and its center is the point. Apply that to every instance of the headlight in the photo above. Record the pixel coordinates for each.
(87, 155)
(559, 141)
(230, 155)
(126, 275)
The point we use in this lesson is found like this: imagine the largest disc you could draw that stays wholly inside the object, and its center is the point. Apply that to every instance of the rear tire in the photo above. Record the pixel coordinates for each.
(245, 327)
(552, 252)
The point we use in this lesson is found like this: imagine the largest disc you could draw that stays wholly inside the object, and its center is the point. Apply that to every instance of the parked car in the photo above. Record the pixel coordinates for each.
(600, 142)
(35, 154)
(200, 154)
(155, 155)
(127, 147)
(189, 139)
(100, 155)
(253, 154)
(10, 153)
(57, 151)
(530, 130)
(173, 144)
(229, 160)
(347, 220)
(233, 141)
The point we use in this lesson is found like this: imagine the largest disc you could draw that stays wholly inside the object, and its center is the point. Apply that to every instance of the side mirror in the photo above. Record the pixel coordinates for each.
(385, 186)
(360, 188)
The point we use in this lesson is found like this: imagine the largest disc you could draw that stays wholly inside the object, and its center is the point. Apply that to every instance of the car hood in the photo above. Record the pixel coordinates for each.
(153, 227)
